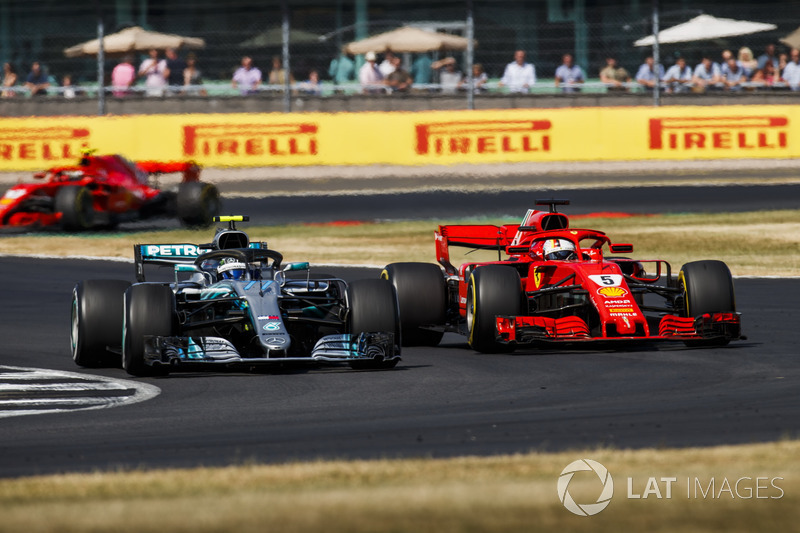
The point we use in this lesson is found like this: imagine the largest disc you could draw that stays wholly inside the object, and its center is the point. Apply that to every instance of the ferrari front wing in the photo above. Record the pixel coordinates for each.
(531, 329)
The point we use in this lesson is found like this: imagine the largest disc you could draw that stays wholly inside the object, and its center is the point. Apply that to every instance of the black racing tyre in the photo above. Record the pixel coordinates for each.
(493, 290)
(197, 203)
(97, 315)
(373, 307)
(421, 299)
(708, 288)
(76, 207)
(149, 310)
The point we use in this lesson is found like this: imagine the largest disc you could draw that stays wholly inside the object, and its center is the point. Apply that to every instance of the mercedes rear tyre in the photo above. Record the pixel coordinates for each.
(97, 311)
(493, 290)
(707, 288)
(76, 206)
(197, 203)
(373, 308)
(149, 310)
(422, 300)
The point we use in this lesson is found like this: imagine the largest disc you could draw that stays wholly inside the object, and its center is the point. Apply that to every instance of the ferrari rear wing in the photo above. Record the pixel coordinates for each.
(190, 169)
(477, 236)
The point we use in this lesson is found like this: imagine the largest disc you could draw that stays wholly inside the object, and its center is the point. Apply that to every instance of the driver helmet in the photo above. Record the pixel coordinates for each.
(559, 249)
(230, 268)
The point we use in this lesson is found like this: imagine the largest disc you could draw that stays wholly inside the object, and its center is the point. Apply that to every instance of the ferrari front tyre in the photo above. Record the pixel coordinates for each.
(197, 203)
(97, 311)
(149, 310)
(373, 308)
(707, 288)
(421, 298)
(493, 290)
(76, 206)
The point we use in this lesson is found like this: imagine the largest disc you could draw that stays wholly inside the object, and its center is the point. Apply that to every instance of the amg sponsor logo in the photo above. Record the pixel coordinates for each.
(51, 144)
(483, 137)
(719, 133)
(246, 140)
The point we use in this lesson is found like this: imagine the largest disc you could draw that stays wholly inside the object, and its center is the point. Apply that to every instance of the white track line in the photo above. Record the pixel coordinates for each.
(86, 382)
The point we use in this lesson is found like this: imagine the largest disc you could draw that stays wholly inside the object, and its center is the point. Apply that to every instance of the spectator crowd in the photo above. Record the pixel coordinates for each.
(172, 74)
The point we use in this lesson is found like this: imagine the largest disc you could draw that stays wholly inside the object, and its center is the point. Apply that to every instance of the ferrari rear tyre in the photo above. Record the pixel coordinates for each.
(76, 207)
(197, 203)
(149, 310)
(373, 308)
(493, 290)
(421, 298)
(97, 315)
(708, 288)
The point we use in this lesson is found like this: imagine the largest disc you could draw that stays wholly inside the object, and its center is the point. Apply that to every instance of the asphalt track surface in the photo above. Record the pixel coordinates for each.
(440, 402)
(437, 205)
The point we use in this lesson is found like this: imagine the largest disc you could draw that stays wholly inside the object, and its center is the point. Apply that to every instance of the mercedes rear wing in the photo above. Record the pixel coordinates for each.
(172, 254)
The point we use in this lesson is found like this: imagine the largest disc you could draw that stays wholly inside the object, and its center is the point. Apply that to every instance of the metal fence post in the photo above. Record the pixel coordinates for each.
(101, 90)
(656, 57)
(287, 81)
(470, 57)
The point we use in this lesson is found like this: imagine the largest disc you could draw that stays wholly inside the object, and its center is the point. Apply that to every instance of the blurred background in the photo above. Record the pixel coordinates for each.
(40, 30)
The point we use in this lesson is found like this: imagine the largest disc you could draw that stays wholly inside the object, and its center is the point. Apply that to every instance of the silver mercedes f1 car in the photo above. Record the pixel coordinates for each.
(231, 303)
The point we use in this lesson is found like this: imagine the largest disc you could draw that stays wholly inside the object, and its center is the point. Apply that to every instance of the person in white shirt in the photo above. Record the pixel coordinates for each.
(369, 76)
(791, 72)
(706, 74)
(569, 74)
(648, 73)
(387, 66)
(519, 76)
(678, 77)
(156, 72)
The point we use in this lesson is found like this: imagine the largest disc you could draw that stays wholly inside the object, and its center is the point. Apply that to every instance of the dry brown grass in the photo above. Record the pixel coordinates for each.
(500, 493)
(753, 244)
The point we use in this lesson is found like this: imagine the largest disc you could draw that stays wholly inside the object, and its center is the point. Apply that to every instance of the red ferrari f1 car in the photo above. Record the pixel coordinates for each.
(104, 190)
(557, 284)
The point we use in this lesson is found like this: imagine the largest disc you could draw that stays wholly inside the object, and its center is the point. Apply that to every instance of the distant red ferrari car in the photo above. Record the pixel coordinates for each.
(104, 190)
(555, 284)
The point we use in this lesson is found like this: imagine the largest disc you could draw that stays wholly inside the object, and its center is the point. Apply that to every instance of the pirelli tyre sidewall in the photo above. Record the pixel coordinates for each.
(372, 307)
(96, 321)
(76, 206)
(149, 310)
(493, 290)
(421, 298)
(707, 288)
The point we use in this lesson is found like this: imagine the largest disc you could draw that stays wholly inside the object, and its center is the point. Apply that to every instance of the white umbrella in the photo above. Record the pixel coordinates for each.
(132, 40)
(408, 39)
(793, 39)
(705, 27)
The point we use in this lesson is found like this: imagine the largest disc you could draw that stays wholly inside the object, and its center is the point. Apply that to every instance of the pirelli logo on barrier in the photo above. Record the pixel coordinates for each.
(711, 134)
(42, 144)
(245, 140)
(483, 137)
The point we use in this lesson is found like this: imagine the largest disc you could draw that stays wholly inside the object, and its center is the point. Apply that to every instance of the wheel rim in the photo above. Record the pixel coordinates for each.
(75, 329)
(471, 311)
